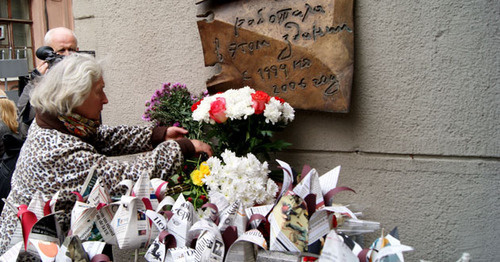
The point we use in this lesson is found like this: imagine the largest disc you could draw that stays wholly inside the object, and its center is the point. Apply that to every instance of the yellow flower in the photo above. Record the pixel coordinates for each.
(204, 168)
(198, 174)
(196, 177)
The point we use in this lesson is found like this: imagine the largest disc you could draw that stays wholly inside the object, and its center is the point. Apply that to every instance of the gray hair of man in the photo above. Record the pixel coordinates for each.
(66, 85)
(61, 30)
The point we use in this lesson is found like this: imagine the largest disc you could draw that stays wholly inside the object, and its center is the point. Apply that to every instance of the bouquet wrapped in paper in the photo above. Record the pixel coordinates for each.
(130, 224)
(93, 211)
(42, 237)
(41, 232)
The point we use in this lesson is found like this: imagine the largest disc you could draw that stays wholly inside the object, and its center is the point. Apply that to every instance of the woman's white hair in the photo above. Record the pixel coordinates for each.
(66, 85)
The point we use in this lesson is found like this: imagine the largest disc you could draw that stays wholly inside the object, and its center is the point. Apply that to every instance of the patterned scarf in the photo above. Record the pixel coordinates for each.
(79, 125)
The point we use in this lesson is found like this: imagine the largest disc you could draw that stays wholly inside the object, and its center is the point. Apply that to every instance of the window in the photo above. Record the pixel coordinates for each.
(15, 26)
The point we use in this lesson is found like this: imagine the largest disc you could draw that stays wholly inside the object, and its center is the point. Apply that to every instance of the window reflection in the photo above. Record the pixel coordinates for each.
(22, 34)
(4, 13)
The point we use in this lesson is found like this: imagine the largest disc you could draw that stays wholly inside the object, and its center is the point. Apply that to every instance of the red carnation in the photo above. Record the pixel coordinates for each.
(280, 99)
(259, 100)
(195, 105)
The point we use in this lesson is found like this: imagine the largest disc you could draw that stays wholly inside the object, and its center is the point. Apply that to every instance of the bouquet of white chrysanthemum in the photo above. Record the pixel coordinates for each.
(243, 120)
(240, 178)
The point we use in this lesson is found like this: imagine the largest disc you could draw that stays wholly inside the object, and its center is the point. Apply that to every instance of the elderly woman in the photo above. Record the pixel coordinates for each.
(67, 139)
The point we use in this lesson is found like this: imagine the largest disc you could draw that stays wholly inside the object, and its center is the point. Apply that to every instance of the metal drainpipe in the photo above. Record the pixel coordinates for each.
(46, 16)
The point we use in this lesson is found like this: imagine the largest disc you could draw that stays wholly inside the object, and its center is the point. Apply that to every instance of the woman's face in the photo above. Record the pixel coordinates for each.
(92, 106)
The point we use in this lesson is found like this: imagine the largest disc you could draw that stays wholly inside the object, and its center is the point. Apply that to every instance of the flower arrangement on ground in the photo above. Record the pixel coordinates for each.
(305, 221)
(244, 120)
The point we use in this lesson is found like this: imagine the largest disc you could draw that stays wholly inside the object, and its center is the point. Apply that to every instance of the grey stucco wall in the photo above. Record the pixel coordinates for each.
(421, 142)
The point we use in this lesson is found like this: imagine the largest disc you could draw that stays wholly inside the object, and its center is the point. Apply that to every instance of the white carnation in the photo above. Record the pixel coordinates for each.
(201, 114)
(238, 103)
(288, 113)
(273, 111)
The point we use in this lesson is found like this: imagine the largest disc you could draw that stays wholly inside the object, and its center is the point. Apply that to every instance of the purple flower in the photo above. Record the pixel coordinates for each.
(176, 124)
(146, 117)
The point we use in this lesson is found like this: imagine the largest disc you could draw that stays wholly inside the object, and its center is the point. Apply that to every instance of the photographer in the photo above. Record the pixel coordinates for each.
(63, 41)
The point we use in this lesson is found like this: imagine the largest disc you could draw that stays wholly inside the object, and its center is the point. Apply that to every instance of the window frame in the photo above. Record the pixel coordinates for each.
(9, 33)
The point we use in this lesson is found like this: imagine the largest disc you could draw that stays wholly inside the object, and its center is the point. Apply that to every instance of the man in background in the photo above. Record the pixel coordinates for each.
(64, 42)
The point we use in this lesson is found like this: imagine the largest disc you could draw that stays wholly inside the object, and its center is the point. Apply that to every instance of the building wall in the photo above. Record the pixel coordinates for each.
(421, 143)
(56, 13)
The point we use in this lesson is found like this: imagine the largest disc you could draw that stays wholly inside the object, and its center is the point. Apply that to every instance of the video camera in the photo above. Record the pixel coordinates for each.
(46, 53)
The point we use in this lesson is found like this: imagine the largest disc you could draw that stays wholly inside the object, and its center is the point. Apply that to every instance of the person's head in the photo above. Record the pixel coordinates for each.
(62, 40)
(8, 112)
(74, 85)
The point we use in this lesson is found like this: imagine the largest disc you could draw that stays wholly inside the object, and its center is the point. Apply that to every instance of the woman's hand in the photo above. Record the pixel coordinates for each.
(202, 147)
(175, 132)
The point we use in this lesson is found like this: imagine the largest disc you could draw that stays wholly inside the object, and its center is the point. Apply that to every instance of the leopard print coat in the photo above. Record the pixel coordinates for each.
(52, 161)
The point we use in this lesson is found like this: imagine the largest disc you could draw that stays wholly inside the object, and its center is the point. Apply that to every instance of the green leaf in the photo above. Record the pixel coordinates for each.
(267, 133)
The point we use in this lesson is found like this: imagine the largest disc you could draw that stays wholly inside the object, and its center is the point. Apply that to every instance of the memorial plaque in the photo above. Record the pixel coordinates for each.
(302, 51)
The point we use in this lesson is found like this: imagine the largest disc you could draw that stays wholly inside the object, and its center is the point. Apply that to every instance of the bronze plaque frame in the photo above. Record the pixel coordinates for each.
(301, 51)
